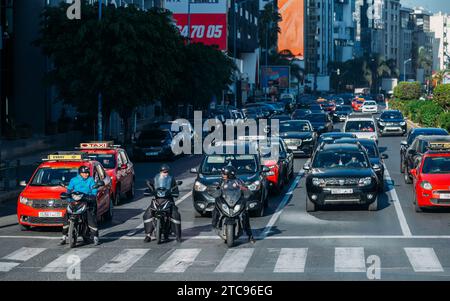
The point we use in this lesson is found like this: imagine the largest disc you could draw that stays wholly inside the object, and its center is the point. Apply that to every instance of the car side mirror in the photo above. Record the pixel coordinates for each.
(384, 156)
(404, 143)
(265, 169)
(179, 183)
(194, 170)
(23, 183)
(306, 166)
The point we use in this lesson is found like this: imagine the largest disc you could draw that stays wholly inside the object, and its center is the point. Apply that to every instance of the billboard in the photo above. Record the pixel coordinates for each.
(208, 20)
(291, 36)
(275, 76)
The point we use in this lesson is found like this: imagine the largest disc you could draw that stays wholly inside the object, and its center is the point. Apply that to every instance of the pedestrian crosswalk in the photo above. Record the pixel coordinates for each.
(237, 260)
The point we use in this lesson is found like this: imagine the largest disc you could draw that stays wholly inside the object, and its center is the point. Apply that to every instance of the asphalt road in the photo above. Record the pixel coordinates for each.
(351, 243)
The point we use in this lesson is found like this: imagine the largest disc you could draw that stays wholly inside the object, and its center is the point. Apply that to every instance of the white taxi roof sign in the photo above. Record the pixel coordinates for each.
(96, 145)
(439, 146)
(66, 157)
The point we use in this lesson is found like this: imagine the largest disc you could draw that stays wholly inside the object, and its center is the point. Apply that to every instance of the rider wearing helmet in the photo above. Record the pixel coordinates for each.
(229, 173)
(149, 226)
(84, 183)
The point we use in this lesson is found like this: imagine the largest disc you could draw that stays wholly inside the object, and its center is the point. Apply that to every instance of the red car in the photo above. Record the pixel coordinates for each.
(40, 204)
(432, 178)
(357, 103)
(117, 165)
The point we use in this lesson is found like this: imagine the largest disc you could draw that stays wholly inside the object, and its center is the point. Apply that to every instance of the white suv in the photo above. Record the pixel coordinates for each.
(362, 127)
(369, 106)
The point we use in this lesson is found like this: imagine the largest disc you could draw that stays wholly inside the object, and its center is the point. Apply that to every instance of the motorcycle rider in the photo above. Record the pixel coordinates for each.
(228, 174)
(175, 215)
(84, 183)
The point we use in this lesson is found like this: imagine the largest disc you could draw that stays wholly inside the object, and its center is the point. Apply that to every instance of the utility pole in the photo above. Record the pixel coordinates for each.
(189, 22)
(100, 101)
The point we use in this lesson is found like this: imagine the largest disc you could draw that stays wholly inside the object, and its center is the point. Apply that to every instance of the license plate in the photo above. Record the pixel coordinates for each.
(152, 153)
(445, 196)
(50, 214)
(292, 147)
(341, 191)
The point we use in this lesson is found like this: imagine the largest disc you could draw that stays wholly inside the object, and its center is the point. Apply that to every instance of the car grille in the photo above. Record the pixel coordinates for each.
(46, 204)
(392, 124)
(45, 220)
(293, 142)
(342, 182)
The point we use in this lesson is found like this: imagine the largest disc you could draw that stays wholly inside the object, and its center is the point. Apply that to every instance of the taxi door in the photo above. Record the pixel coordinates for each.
(103, 191)
(127, 172)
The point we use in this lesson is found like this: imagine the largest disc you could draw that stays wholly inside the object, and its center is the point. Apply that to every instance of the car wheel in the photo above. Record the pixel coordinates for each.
(374, 206)
(407, 178)
(117, 196)
(131, 192)
(24, 227)
(310, 206)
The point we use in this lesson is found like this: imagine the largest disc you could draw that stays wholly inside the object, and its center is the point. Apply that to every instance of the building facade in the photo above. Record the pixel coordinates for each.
(440, 26)
(344, 30)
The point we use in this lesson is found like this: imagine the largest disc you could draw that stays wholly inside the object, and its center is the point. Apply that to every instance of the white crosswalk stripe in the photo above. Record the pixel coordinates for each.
(122, 262)
(178, 261)
(291, 260)
(235, 261)
(22, 255)
(349, 260)
(62, 263)
(423, 260)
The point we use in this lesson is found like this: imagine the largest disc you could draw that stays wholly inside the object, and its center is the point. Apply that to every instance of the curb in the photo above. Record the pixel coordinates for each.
(9, 196)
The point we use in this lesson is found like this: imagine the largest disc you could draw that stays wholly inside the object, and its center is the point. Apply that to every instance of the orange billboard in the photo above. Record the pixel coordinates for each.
(291, 36)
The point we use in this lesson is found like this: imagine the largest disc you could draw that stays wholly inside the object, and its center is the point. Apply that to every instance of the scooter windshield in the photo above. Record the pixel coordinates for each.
(231, 192)
(162, 185)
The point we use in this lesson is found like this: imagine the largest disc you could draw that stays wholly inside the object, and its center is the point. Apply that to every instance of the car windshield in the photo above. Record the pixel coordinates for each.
(48, 176)
(340, 159)
(425, 133)
(317, 117)
(108, 161)
(294, 126)
(300, 113)
(359, 126)
(436, 165)
(213, 164)
(391, 115)
(371, 150)
(370, 103)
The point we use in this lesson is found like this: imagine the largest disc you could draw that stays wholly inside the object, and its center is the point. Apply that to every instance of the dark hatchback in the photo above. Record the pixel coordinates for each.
(154, 144)
(249, 169)
(412, 134)
(299, 136)
(321, 122)
(341, 113)
(341, 174)
(375, 156)
(392, 122)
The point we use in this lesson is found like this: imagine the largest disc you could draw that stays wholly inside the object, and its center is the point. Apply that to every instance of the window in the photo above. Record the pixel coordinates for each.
(123, 157)
(100, 171)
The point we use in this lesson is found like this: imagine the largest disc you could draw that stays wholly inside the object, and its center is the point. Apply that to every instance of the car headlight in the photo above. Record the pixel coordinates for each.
(402, 123)
(307, 140)
(199, 186)
(426, 185)
(365, 181)
(318, 182)
(25, 201)
(382, 123)
(255, 186)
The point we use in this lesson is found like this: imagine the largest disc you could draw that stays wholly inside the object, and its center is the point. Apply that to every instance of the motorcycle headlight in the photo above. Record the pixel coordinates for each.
(255, 186)
(365, 181)
(237, 208)
(25, 201)
(318, 182)
(426, 185)
(225, 208)
(199, 186)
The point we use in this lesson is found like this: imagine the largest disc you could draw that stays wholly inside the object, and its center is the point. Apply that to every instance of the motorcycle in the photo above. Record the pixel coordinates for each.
(77, 215)
(161, 205)
(231, 203)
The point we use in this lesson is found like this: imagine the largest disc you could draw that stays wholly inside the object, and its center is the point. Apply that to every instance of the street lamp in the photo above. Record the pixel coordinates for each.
(404, 68)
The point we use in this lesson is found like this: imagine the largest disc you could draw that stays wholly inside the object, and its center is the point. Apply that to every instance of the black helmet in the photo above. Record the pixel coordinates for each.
(230, 171)
(83, 169)
(164, 167)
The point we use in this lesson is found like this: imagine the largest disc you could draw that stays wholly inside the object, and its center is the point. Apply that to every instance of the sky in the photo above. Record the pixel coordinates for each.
(431, 5)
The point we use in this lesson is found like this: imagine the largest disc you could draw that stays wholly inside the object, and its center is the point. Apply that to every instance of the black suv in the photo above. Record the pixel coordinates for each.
(341, 174)
(392, 122)
(321, 122)
(414, 153)
(249, 169)
(299, 136)
(412, 134)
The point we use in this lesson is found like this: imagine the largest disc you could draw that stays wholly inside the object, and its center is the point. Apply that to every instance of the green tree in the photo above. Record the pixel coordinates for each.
(408, 91)
(268, 30)
(441, 95)
(129, 56)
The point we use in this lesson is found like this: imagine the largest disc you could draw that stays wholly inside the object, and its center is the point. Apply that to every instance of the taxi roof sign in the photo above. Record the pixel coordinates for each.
(65, 157)
(97, 144)
(436, 146)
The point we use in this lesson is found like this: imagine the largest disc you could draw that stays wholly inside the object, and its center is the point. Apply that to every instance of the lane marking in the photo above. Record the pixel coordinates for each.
(24, 254)
(398, 207)
(280, 207)
(423, 260)
(61, 264)
(7, 266)
(235, 261)
(349, 260)
(179, 261)
(183, 198)
(123, 261)
(291, 260)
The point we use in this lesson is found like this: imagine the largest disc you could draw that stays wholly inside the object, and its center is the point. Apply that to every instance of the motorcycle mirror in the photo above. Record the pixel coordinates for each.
(179, 183)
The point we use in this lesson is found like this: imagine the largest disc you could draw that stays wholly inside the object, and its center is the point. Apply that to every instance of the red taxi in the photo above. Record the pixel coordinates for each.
(357, 104)
(117, 165)
(432, 178)
(40, 205)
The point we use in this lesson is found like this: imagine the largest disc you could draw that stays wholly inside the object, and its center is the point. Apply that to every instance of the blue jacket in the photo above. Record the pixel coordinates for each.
(78, 184)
